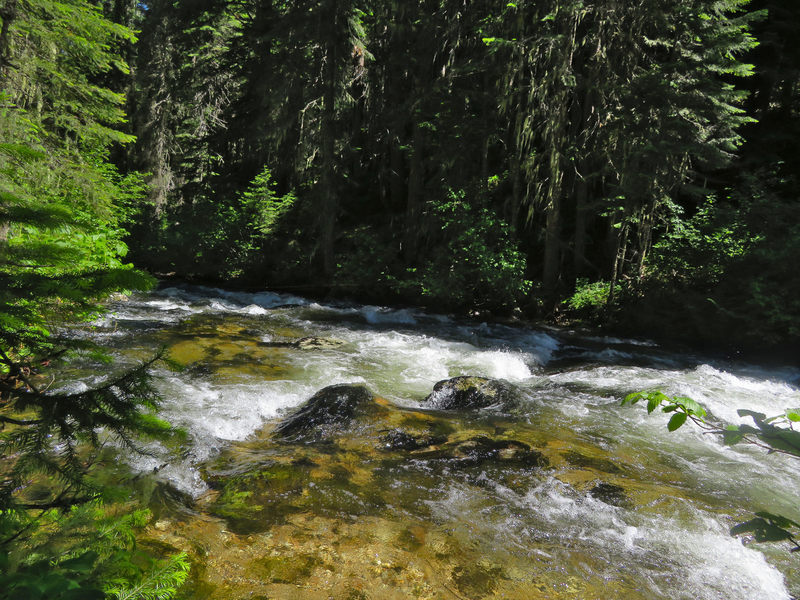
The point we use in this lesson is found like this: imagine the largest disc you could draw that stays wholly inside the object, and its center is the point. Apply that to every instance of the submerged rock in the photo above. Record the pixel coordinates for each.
(610, 493)
(326, 412)
(481, 449)
(397, 439)
(307, 343)
(471, 393)
(576, 459)
(318, 343)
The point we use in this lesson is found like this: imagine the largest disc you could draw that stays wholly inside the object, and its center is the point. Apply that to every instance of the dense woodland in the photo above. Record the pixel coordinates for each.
(477, 155)
(634, 164)
(630, 162)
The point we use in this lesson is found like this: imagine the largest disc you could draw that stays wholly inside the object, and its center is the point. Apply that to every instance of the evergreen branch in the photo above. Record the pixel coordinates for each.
(20, 422)
(160, 584)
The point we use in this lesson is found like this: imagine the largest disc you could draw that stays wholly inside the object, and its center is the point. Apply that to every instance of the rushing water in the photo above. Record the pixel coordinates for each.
(408, 526)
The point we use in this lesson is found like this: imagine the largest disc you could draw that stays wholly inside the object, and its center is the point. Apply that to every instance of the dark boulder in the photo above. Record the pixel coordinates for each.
(472, 393)
(325, 413)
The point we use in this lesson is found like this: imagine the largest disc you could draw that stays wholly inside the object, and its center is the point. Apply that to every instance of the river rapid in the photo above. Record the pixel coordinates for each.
(618, 508)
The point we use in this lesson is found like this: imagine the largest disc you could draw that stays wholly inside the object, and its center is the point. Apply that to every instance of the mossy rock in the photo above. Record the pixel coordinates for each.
(327, 412)
(474, 393)
(259, 499)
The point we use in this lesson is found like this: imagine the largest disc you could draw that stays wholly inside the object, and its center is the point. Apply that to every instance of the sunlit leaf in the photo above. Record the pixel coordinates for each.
(676, 421)
(793, 414)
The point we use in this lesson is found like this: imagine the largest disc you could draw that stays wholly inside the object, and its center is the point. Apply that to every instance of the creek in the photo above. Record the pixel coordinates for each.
(615, 507)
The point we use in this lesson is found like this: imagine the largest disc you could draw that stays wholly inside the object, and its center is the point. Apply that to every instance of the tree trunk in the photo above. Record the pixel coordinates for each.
(415, 181)
(552, 243)
(619, 262)
(4, 227)
(645, 238)
(581, 221)
(8, 12)
(396, 179)
(328, 194)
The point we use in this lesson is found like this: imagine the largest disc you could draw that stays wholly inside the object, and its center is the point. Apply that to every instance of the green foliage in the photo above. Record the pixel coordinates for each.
(682, 406)
(701, 249)
(589, 297)
(62, 210)
(231, 243)
(88, 552)
(160, 583)
(599, 117)
(774, 434)
(470, 262)
(60, 221)
(732, 267)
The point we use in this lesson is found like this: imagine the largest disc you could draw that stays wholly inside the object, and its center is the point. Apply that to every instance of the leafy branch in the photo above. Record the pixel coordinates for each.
(774, 434)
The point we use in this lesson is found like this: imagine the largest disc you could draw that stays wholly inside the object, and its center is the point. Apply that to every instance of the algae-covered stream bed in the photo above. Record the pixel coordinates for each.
(290, 488)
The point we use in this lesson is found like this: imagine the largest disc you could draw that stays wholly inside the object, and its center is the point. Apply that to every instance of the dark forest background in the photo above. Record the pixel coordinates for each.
(635, 162)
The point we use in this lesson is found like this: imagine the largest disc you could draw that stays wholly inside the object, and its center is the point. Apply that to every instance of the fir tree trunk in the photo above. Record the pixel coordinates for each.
(619, 261)
(415, 175)
(396, 167)
(8, 12)
(328, 193)
(552, 247)
(581, 222)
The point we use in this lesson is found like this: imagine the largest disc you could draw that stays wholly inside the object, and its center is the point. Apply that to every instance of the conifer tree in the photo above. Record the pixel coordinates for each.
(63, 206)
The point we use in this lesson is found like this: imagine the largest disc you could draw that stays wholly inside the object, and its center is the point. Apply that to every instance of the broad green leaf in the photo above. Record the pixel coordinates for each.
(785, 440)
(633, 398)
(691, 406)
(793, 414)
(732, 435)
(676, 421)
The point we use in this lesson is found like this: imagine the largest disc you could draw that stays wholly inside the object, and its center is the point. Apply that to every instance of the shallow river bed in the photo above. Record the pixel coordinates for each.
(567, 495)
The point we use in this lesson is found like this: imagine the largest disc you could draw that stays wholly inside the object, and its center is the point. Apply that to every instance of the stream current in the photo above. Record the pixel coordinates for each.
(621, 508)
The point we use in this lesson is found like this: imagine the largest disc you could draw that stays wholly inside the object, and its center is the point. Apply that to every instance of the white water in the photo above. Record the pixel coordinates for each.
(684, 552)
